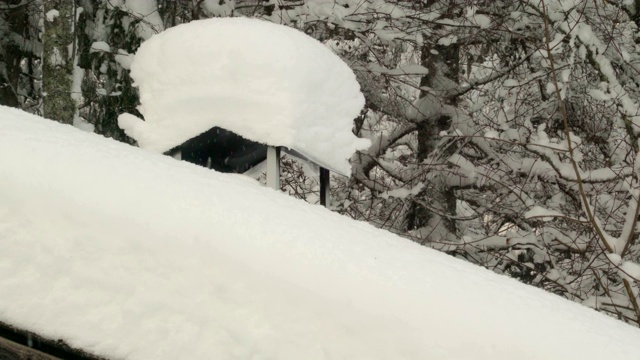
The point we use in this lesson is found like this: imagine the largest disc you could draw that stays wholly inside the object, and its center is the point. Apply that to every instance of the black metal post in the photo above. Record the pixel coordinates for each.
(325, 182)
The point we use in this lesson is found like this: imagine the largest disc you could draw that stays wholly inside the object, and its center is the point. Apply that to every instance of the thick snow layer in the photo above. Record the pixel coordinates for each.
(266, 82)
(134, 255)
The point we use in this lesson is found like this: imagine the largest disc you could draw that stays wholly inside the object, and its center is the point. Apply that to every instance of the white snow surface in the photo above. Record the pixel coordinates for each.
(542, 213)
(99, 46)
(266, 82)
(147, 12)
(134, 255)
(51, 15)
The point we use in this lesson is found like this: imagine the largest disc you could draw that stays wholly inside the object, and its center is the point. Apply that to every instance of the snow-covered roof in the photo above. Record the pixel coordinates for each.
(132, 255)
(266, 82)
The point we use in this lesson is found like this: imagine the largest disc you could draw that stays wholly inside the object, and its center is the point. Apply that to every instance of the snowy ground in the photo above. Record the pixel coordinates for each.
(130, 254)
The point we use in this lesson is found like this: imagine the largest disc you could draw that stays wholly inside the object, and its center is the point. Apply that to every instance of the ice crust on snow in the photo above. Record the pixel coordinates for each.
(266, 82)
(132, 255)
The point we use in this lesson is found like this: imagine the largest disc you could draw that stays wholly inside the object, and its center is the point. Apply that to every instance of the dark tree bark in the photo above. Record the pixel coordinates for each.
(58, 60)
(443, 62)
(17, 18)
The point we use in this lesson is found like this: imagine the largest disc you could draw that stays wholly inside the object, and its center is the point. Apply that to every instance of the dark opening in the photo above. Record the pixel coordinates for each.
(222, 150)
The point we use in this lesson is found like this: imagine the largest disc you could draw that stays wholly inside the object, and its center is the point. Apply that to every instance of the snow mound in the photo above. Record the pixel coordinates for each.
(133, 255)
(266, 82)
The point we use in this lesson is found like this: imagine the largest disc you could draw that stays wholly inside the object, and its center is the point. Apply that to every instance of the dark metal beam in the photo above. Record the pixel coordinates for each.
(20, 344)
(325, 187)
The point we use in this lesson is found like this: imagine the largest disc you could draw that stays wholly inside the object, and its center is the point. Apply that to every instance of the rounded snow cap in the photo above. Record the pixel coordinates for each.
(266, 82)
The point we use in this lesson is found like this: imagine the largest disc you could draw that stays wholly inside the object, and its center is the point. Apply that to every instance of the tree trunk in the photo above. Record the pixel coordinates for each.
(57, 59)
(443, 63)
